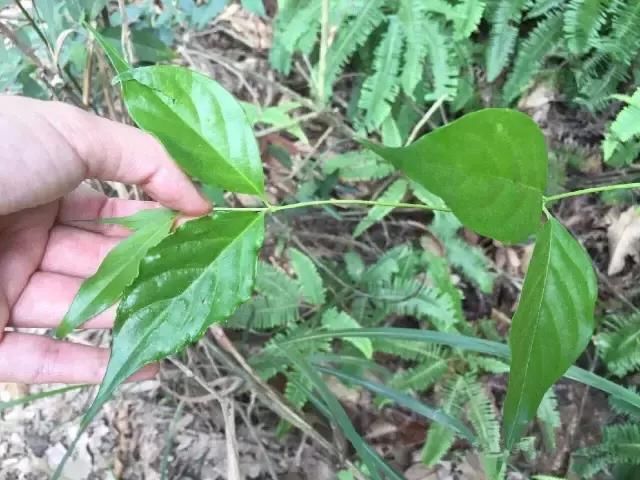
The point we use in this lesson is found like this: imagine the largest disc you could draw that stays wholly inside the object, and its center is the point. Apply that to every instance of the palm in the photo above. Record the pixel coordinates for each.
(50, 240)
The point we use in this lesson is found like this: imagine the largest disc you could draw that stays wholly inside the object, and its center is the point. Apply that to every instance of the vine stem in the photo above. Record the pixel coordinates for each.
(332, 201)
(585, 191)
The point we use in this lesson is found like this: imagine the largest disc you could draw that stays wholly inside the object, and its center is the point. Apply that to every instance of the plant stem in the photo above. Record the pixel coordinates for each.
(324, 47)
(603, 188)
(334, 202)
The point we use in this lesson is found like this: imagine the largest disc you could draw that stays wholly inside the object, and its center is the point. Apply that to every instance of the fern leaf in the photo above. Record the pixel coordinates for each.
(468, 14)
(482, 415)
(549, 418)
(275, 305)
(409, 350)
(539, 8)
(350, 36)
(625, 127)
(439, 438)
(394, 194)
(381, 88)
(530, 55)
(354, 265)
(414, 298)
(412, 18)
(358, 166)
(297, 20)
(441, 56)
(624, 408)
(311, 284)
(583, 20)
(504, 32)
(333, 319)
(488, 364)
(440, 274)
(296, 390)
(620, 445)
(420, 378)
(598, 80)
(624, 41)
(619, 344)
(470, 259)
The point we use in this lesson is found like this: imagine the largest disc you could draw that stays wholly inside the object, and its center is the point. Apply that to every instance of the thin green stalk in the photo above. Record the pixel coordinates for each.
(586, 191)
(324, 48)
(331, 201)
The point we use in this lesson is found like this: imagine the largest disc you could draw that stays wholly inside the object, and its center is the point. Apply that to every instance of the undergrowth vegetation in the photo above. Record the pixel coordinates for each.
(393, 317)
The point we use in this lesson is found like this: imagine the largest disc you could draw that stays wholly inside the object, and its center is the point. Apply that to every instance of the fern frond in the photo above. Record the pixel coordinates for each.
(619, 344)
(625, 127)
(530, 55)
(332, 319)
(583, 20)
(295, 29)
(412, 17)
(624, 41)
(504, 32)
(414, 298)
(471, 260)
(598, 79)
(297, 387)
(549, 418)
(623, 408)
(620, 445)
(276, 304)
(358, 166)
(350, 36)
(468, 14)
(444, 70)
(311, 284)
(395, 193)
(440, 273)
(440, 438)
(539, 8)
(483, 417)
(409, 350)
(421, 377)
(381, 88)
(488, 364)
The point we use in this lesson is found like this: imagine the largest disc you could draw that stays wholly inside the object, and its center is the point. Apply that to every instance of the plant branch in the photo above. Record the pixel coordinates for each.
(586, 191)
(332, 201)
(324, 47)
(425, 118)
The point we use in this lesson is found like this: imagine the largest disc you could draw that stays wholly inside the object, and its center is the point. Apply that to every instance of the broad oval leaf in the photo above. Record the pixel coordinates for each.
(490, 167)
(118, 269)
(552, 324)
(192, 279)
(199, 123)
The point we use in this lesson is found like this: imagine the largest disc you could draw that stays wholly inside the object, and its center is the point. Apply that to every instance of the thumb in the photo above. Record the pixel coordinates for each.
(118, 152)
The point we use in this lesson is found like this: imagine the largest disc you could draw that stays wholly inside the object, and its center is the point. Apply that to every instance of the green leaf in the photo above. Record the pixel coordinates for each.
(332, 319)
(308, 276)
(552, 324)
(490, 167)
(200, 124)
(405, 401)
(471, 344)
(140, 220)
(118, 269)
(147, 45)
(395, 193)
(115, 57)
(194, 278)
(276, 116)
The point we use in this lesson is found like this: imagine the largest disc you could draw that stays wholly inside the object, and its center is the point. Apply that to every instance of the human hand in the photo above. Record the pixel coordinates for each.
(47, 248)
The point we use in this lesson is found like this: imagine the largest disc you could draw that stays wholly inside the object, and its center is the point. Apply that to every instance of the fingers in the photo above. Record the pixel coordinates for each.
(28, 358)
(113, 151)
(46, 299)
(75, 252)
(82, 207)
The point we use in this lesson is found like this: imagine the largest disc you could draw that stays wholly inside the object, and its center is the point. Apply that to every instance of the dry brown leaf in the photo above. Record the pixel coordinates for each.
(624, 240)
